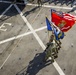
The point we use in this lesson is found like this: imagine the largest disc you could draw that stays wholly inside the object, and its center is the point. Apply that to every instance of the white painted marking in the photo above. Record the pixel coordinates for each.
(38, 39)
(21, 35)
(75, 11)
(30, 27)
(5, 10)
(55, 64)
(4, 61)
(58, 68)
(49, 6)
(10, 53)
(41, 28)
(13, 38)
(3, 29)
(3, 25)
(8, 24)
(16, 38)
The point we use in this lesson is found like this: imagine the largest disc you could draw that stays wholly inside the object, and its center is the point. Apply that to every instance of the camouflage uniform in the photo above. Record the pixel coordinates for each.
(51, 50)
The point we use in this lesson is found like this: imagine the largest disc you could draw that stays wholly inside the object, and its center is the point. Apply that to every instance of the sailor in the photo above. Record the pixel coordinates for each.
(51, 50)
(39, 2)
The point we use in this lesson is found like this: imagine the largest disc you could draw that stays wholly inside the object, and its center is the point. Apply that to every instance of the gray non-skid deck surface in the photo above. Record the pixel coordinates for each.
(24, 55)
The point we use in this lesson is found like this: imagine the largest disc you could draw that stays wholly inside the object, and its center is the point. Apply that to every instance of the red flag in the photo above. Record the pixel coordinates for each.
(64, 21)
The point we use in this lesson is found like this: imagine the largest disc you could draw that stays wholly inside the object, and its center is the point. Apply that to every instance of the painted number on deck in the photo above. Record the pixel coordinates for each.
(2, 27)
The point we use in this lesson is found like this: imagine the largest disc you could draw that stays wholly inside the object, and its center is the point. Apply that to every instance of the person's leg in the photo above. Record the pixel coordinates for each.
(55, 53)
(52, 59)
(52, 55)
(46, 55)
(58, 43)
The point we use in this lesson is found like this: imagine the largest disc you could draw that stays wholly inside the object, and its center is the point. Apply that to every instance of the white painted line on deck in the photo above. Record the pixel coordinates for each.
(2, 27)
(17, 38)
(30, 27)
(13, 38)
(5, 10)
(10, 53)
(40, 28)
(75, 11)
(5, 60)
(49, 6)
(21, 35)
(8, 24)
(38, 39)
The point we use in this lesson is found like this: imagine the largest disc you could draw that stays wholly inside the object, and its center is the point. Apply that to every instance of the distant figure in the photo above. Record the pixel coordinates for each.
(39, 2)
(51, 50)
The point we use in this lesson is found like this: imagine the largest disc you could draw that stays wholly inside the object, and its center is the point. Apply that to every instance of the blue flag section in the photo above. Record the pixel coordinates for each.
(57, 32)
(58, 35)
(49, 27)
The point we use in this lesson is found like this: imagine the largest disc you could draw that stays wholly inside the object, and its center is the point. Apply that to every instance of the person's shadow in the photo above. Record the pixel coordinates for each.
(30, 11)
(11, 12)
(35, 65)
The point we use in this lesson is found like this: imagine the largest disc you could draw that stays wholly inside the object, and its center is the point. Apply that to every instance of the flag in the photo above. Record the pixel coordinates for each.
(57, 32)
(49, 27)
(63, 20)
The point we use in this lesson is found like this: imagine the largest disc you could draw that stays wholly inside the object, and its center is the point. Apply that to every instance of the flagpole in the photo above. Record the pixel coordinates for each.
(52, 24)
(49, 33)
(50, 28)
(48, 36)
